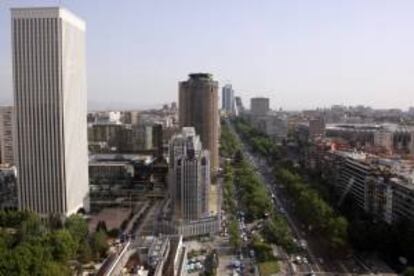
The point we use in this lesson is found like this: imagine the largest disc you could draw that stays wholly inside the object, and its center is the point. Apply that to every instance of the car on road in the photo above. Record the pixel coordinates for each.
(298, 259)
(236, 272)
(303, 244)
(235, 264)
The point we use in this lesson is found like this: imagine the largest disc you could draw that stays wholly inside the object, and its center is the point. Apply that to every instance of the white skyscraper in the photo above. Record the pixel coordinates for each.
(50, 100)
(227, 98)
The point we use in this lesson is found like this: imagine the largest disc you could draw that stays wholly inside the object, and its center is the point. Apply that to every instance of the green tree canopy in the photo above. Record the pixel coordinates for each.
(99, 243)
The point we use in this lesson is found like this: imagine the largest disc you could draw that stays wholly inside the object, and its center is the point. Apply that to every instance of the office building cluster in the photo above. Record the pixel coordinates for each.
(131, 131)
(152, 178)
(193, 160)
(106, 162)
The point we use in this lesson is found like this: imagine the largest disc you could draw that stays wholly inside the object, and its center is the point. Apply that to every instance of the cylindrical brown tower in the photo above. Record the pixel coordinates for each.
(198, 107)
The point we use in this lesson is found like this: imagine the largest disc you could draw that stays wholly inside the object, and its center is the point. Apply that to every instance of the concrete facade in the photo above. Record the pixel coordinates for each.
(189, 176)
(276, 126)
(317, 128)
(259, 106)
(198, 108)
(380, 187)
(50, 99)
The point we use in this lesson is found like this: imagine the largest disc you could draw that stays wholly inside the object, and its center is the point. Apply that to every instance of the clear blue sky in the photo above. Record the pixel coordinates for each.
(301, 54)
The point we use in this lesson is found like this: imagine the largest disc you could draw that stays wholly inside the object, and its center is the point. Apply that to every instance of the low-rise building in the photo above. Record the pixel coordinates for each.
(121, 138)
(110, 169)
(163, 255)
(274, 125)
(208, 225)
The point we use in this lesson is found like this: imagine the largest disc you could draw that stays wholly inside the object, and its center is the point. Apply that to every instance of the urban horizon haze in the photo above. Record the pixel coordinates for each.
(300, 54)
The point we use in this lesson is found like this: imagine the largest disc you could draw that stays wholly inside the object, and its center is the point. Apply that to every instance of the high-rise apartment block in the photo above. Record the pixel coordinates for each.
(50, 100)
(198, 108)
(259, 106)
(6, 135)
(189, 175)
(227, 99)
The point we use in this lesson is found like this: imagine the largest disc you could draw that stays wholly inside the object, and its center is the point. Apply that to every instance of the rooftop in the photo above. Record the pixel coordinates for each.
(201, 76)
(371, 127)
(402, 169)
(48, 12)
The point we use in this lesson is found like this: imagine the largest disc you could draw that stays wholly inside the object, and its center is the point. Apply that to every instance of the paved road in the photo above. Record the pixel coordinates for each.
(116, 262)
(329, 267)
(146, 225)
(278, 202)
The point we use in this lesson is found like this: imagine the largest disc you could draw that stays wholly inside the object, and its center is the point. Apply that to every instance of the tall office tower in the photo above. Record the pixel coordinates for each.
(239, 108)
(189, 175)
(227, 98)
(259, 106)
(198, 108)
(50, 100)
(6, 135)
(157, 140)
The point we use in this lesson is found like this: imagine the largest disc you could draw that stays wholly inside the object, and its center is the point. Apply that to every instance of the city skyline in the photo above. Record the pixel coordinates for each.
(190, 188)
(298, 54)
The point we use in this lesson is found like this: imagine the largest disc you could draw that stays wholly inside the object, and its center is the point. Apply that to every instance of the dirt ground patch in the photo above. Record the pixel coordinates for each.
(113, 218)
